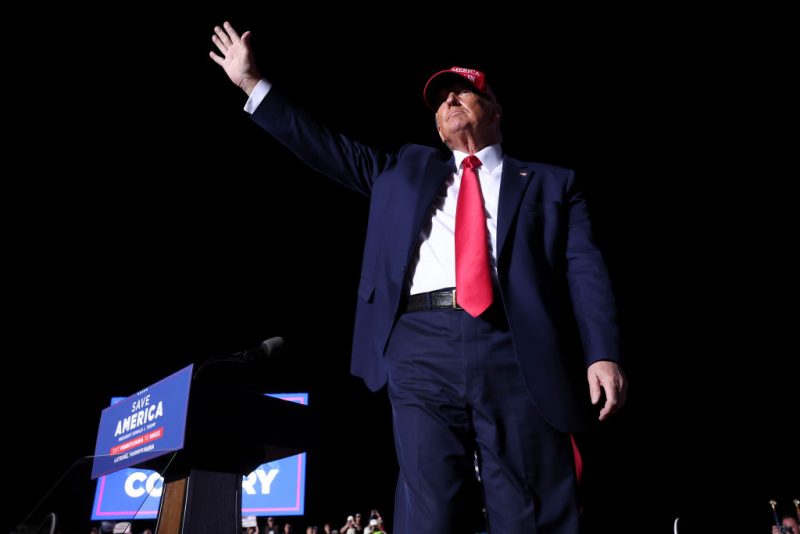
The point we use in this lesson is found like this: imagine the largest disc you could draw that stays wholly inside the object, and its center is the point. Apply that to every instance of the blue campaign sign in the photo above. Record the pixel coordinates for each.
(128, 494)
(145, 425)
(275, 488)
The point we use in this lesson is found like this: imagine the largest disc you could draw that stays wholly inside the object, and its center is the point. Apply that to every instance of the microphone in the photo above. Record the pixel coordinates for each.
(268, 347)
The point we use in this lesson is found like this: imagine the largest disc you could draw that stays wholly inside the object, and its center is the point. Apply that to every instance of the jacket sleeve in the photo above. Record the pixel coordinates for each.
(346, 161)
(589, 284)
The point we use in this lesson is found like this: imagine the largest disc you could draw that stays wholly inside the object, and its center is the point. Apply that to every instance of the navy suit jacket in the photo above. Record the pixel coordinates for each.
(549, 268)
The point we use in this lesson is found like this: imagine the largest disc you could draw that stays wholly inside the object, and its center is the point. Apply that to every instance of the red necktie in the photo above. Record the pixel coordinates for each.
(473, 282)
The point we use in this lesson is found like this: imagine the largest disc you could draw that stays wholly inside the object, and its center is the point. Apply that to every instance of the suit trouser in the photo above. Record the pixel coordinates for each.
(457, 394)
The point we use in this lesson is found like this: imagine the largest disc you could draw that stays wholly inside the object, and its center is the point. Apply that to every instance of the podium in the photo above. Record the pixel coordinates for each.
(221, 444)
(202, 489)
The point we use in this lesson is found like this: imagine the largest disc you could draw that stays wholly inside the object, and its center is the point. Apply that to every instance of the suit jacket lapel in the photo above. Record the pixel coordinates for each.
(512, 186)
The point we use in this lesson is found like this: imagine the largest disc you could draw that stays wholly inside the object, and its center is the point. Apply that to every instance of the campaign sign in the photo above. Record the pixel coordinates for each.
(275, 488)
(148, 424)
(279, 487)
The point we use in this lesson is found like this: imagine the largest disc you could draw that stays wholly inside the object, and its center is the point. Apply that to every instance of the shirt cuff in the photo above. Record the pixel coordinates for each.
(258, 94)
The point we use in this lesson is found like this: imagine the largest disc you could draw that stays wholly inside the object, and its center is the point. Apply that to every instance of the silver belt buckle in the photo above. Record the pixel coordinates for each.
(455, 304)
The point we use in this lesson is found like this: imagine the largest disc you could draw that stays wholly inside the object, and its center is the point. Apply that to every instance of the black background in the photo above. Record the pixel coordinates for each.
(150, 224)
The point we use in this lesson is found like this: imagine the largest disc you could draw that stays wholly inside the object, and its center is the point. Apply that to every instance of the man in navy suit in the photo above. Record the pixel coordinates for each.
(491, 384)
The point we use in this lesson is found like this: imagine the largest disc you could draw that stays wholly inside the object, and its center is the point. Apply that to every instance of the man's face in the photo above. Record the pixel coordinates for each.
(789, 522)
(461, 108)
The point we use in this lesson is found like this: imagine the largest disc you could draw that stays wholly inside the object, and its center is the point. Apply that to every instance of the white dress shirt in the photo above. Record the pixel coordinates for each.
(436, 264)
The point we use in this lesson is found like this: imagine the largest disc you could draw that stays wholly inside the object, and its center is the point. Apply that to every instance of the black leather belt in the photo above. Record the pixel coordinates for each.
(442, 298)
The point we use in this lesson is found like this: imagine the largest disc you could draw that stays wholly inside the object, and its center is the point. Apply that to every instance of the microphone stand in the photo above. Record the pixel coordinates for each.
(265, 349)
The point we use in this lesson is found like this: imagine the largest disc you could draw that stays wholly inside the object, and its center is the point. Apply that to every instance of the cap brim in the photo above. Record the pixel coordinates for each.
(443, 79)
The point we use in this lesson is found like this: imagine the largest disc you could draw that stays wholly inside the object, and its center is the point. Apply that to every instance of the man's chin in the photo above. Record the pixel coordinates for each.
(456, 125)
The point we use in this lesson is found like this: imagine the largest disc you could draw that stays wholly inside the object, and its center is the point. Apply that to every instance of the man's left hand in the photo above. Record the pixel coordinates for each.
(606, 376)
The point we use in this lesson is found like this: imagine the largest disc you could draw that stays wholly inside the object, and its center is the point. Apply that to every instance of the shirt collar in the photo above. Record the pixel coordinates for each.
(490, 157)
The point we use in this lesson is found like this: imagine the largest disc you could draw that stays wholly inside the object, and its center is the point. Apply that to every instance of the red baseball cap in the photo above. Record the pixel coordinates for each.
(475, 78)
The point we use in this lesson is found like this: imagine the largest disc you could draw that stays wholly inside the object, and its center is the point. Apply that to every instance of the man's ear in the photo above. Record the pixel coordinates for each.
(498, 111)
